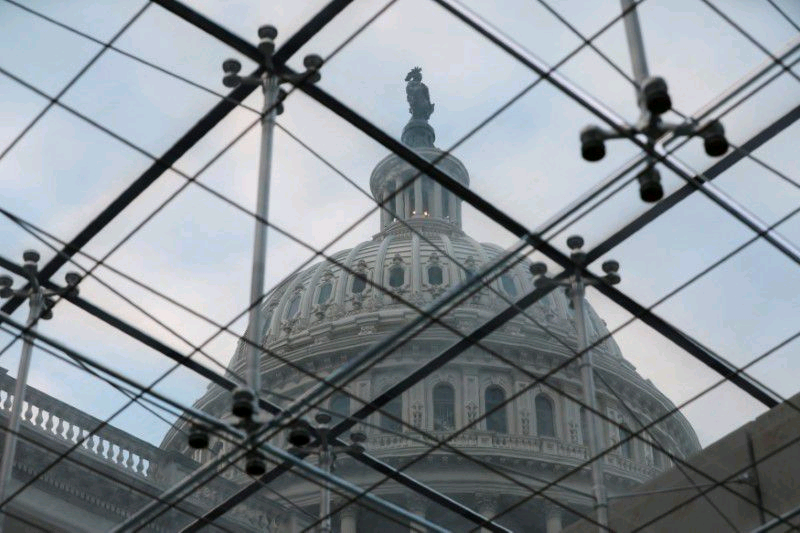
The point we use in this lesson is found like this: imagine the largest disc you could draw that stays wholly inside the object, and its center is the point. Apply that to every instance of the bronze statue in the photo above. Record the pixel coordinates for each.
(419, 100)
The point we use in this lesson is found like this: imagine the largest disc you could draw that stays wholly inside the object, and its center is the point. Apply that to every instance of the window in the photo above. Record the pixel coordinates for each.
(496, 420)
(443, 407)
(340, 407)
(411, 206)
(445, 204)
(359, 283)
(324, 292)
(625, 448)
(294, 306)
(397, 276)
(391, 204)
(391, 415)
(508, 285)
(435, 275)
(545, 420)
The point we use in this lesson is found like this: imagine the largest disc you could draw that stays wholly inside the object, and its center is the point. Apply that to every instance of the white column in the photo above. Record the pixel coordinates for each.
(400, 201)
(553, 519)
(348, 517)
(436, 209)
(451, 207)
(418, 195)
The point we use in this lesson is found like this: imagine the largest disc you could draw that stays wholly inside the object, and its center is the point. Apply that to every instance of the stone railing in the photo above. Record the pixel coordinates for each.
(63, 423)
(543, 447)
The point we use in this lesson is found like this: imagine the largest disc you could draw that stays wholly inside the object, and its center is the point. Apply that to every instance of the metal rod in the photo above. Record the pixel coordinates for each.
(577, 291)
(36, 300)
(325, 463)
(778, 520)
(270, 88)
(633, 32)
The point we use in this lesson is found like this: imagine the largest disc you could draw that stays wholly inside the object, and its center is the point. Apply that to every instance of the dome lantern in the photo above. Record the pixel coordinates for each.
(395, 182)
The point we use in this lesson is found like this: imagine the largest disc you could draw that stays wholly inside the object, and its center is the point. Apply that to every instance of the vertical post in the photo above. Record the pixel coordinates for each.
(633, 33)
(10, 445)
(270, 88)
(400, 201)
(325, 461)
(577, 292)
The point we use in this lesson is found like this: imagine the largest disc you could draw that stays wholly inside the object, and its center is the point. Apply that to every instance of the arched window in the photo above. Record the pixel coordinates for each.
(391, 414)
(359, 283)
(397, 276)
(496, 420)
(325, 292)
(626, 447)
(294, 306)
(435, 275)
(340, 407)
(508, 285)
(443, 407)
(545, 419)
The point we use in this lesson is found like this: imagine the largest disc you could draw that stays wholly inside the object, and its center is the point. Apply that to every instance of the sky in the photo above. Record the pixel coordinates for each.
(197, 249)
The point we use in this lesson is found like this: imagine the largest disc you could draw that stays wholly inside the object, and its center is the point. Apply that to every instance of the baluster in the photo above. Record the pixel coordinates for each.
(114, 453)
(95, 442)
(51, 422)
(105, 445)
(147, 468)
(39, 418)
(28, 413)
(127, 456)
(62, 428)
(6, 405)
(75, 432)
(84, 437)
(135, 461)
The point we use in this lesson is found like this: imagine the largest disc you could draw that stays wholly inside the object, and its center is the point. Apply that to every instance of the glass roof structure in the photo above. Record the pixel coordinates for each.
(124, 158)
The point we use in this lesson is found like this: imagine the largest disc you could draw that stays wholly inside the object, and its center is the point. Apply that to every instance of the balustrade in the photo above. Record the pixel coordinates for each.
(62, 422)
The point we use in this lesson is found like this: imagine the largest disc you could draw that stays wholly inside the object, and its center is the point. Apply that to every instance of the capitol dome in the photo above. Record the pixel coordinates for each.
(319, 318)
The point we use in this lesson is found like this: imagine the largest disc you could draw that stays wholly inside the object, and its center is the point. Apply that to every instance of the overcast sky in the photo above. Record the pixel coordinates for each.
(526, 161)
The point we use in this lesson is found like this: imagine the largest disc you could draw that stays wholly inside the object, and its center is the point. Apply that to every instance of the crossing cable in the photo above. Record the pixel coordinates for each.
(609, 335)
(752, 39)
(78, 362)
(79, 75)
(182, 145)
(389, 415)
(146, 403)
(134, 57)
(784, 15)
